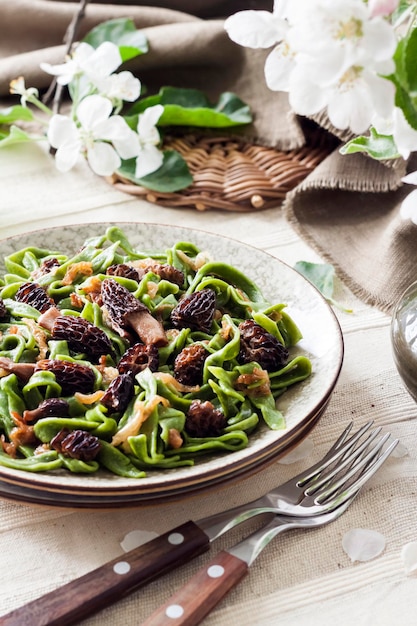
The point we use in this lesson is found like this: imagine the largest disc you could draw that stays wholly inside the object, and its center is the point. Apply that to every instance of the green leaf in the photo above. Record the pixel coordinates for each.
(190, 107)
(322, 276)
(15, 113)
(405, 79)
(377, 146)
(123, 33)
(173, 174)
(16, 135)
(410, 61)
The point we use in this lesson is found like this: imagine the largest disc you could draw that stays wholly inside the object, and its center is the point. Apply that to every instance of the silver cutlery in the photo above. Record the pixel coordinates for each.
(203, 592)
(320, 489)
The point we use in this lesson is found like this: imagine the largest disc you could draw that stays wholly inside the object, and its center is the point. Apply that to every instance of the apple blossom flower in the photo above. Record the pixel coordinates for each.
(263, 29)
(404, 136)
(150, 158)
(103, 138)
(96, 63)
(119, 87)
(351, 101)
(18, 86)
(382, 7)
(408, 210)
(332, 36)
(255, 29)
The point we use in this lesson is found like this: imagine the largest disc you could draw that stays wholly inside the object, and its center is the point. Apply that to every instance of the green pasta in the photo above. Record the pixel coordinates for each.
(202, 385)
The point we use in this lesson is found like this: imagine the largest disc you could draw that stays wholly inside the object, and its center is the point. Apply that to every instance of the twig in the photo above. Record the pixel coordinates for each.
(69, 38)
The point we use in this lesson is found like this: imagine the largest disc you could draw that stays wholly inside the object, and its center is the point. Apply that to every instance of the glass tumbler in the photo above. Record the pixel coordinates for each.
(404, 338)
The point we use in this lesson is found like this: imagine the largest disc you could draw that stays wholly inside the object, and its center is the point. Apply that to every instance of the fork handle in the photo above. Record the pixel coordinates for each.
(105, 585)
(194, 601)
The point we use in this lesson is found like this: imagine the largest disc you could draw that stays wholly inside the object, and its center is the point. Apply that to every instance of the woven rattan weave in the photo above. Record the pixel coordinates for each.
(234, 175)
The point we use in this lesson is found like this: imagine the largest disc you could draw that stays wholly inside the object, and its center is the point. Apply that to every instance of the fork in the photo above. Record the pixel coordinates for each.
(204, 591)
(321, 488)
(196, 599)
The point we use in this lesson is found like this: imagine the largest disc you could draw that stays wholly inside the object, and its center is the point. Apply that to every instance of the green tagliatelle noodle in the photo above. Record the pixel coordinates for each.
(131, 446)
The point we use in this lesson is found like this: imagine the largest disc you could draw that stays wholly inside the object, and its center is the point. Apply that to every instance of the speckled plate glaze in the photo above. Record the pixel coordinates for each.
(302, 405)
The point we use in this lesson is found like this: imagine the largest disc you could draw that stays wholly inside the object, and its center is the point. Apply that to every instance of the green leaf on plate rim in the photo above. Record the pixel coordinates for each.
(322, 276)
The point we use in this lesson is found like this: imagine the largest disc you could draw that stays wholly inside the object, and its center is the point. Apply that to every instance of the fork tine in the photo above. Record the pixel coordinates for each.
(366, 467)
(338, 449)
(351, 457)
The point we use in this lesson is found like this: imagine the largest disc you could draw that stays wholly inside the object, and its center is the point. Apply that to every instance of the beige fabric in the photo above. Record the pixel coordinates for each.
(302, 578)
(347, 210)
(184, 51)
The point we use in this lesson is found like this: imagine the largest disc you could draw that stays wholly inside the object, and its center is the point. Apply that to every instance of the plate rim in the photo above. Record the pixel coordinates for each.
(139, 489)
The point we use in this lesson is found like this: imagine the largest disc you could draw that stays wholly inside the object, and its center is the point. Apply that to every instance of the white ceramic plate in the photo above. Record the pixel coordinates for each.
(302, 405)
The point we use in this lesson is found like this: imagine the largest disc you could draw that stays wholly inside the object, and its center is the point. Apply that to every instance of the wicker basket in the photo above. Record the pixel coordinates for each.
(234, 175)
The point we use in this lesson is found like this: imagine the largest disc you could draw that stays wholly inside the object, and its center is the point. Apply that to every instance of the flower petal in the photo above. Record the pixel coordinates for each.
(112, 128)
(127, 146)
(149, 160)
(93, 110)
(255, 29)
(408, 210)
(136, 538)
(278, 67)
(147, 122)
(361, 544)
(410, 178)
(104, 60)
(61, 130)
(67, 155)
(409, 557)
(103, 158)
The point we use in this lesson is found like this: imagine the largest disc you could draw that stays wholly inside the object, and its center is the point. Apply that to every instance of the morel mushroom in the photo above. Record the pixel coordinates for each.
(189, 364)
(256, 344)
(35, 296)
(119, 393)
(77, 444)
(124, 270)
(163, 270)
(195, 310)
(3, 310)
(204, 420)
(138, 357)
(71, 376)
(80, 334)
(125, 311)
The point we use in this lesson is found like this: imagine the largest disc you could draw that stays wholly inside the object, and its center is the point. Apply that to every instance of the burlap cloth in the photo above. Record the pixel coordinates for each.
(347, 209)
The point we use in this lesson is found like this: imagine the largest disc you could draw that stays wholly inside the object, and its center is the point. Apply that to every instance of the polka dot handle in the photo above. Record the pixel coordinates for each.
(195, 600)
(105, 585)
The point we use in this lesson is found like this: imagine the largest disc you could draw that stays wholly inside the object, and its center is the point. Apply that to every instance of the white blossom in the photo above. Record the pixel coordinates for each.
(255, 29)
(95, 63)
(335, 35)
(18, 86)
(103, 138)
(150, 158)
(382, 7)
(118, 87)
(328, 54)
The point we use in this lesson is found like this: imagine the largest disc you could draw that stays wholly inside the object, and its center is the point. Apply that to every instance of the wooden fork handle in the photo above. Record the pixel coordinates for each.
(105, 585)
(194, 601)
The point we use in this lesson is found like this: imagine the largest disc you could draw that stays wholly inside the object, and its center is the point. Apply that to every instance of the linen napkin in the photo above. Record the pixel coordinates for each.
(347, 209)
